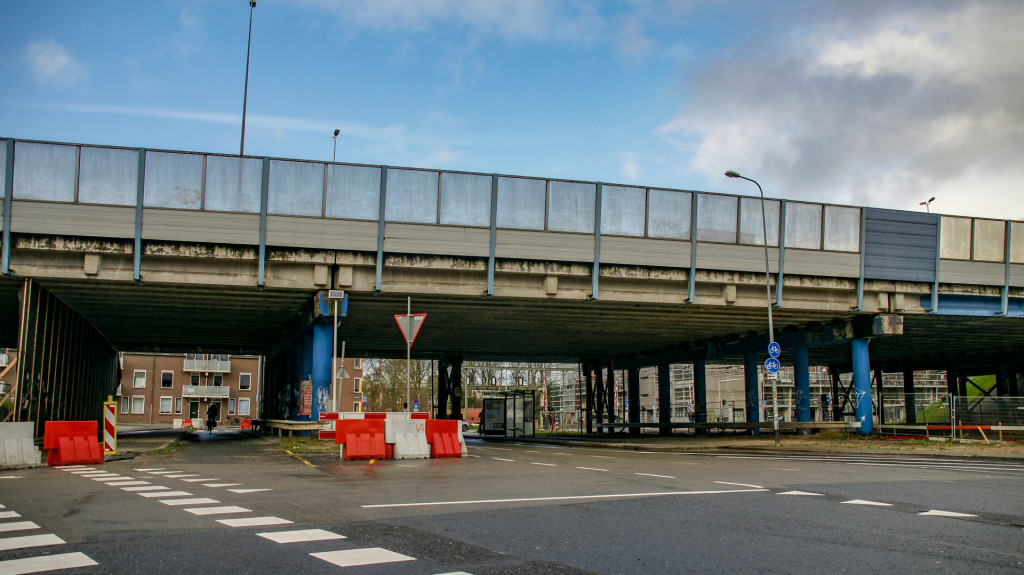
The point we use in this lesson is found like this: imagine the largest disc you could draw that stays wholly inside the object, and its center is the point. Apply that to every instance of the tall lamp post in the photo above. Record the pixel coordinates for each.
(768, 290)
(928, 204)
(245, 93)
(334, 158)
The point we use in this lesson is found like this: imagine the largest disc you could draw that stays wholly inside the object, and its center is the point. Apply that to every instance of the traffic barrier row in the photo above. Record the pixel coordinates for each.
(72, 442)
(16, 446)
(394, 436)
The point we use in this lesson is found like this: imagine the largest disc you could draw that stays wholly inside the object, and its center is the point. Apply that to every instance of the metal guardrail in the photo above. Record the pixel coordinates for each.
(208, 365)
(206, 391)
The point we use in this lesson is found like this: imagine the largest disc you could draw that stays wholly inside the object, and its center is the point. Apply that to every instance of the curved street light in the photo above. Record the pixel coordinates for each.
(768, 290)
(334, 158)
(245, 93)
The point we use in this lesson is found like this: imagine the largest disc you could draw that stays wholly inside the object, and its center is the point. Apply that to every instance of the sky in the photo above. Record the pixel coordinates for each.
(867, 103)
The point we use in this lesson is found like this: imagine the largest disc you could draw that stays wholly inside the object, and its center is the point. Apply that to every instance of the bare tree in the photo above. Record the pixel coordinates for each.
(384, 384)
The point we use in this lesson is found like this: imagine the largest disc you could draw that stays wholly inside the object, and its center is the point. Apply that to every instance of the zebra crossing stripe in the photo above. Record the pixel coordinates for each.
(253, 521)
(356, 557)
(17, 526)
(45, 563)
(10, 543)
(300, 536)
(218, 510)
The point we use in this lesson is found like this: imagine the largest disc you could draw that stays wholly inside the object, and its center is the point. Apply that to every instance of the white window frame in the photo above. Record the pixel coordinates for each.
(357, 407)
(243, 406)
(135, 379)
(170, 404)
(248, 386)
(231, 406)
(126, 402)
(164, 372)
(177, 405)
(142, 400)
(357, 385)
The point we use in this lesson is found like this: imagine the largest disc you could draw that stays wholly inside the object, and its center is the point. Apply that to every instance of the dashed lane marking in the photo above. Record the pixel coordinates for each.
(591, 469)
(45, 563)
(355, 557)
(189, 501)
(165, 493)
(868, 503)
(603, 456)
(564, 498)
(201, 479)
(802, 493)
(128, 483)
(220, 484)
(655, 475)
(501, 459)
(938, 513)
(740, 484)
(141, 488)
(26, 541)
(182, 475)
(248, 490)
(151, 469)
(17, 526)
(300, 536)
(254, 521)
(544, 464)
(218, 510)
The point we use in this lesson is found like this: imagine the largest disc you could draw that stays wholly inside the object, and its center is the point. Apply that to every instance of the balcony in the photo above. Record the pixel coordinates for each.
(208, 365)
(5, 360)
(206, 391)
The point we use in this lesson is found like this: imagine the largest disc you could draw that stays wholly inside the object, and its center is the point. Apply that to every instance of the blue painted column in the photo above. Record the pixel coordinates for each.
(753, 407)
(305, 363)
(862, 384)
(802, 382)
(321, 355)
(700, 391)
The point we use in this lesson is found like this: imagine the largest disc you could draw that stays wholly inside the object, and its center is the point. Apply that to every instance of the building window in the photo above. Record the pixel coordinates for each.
(177, 406)
(165, 405)
(195, 379)
(125, 402)
(357, 385)
(243, 406)
(218, 379)
(140, 378)
(359, 363)
(138, 404)
(357, 407)
(244, 381)
(231, 406)
(166, 379)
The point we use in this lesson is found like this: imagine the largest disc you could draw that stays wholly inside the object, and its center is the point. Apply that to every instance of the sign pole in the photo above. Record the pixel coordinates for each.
(334, 360)
(408, 359)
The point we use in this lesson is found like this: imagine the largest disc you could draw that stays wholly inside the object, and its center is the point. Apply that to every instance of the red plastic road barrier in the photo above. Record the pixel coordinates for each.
(324, 415)
(375, 416)
(363, 438)
(443, 436)
(325, 434)
(72, 442)
(246, 424)
(419, 416)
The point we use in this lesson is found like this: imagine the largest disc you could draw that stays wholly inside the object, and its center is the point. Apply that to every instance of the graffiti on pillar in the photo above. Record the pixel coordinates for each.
(858, 395)
(306, 397)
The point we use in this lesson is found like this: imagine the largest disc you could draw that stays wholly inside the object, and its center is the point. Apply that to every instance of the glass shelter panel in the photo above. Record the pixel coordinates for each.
(296, 188)
(174, 180)
(571, 207)
(108, 176)
(842, 229)
(1017, 243)
(353, 192)
(412, 196)
(623, 211)
(716, 218)
(233, 184)
(803, 226)
(45, 172)
(669, 215)
(465, 200)
(956, 238)
(989, 240)
(751, 230)
(521, 203)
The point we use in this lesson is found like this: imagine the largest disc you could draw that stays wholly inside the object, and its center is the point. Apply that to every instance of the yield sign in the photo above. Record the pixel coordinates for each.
(410, 325)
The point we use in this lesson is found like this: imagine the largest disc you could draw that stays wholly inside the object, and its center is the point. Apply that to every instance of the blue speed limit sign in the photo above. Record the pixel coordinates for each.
(774, 349)
(772, 365)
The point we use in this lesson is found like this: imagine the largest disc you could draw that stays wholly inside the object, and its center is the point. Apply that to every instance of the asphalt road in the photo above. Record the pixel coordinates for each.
(231, 504)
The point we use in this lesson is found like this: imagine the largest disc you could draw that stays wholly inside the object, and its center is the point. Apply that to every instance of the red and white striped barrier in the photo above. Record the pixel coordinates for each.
(109, 427)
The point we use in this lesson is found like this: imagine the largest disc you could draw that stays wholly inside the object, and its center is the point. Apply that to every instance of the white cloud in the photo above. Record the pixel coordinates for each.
(882, 109)
(629, 166)
(51, 63)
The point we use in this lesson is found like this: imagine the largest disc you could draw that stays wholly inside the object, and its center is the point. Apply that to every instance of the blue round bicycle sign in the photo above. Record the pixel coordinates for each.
(772, 365)
(774, 349)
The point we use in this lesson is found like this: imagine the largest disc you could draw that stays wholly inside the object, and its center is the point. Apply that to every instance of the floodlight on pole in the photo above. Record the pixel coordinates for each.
(334, 158)
(927, 204)
(245, 93)
(768, 289)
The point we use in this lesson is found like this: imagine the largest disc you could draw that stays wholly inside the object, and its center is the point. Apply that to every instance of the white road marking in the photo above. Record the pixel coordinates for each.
(368, 556)
(105, 477)
(151, 469)
(10, 477)
(591, 469)
(740, 484)
(801, 493)
(145, 488)
(165, 494)
(123, 483)
(88, 471)
(45, 563)
(544, 464)
(72, 467)
(531, 451)
(181, 475)
(10, 543)
(501, 459)
(868, 503)
(200, 479)
(162, 472)
(782, 469)
(189, 501)
(655, 475)
(938, 513)
(300, 536)
(218, 510)
(564, 498)
(17, 526)
(9, 514)
(220, 484)
(248, 490)
(253, 521)
(603, 456)
(471, 455)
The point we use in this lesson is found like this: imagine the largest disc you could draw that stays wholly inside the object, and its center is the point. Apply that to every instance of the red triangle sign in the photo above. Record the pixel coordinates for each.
(410, 325)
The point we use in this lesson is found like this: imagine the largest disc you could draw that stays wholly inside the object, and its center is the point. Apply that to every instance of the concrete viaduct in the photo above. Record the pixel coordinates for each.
(109, 249)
